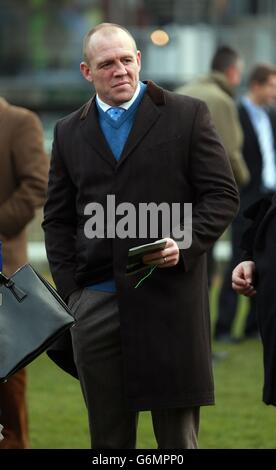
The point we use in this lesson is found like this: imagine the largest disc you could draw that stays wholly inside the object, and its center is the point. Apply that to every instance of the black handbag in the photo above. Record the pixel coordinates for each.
(32, 316)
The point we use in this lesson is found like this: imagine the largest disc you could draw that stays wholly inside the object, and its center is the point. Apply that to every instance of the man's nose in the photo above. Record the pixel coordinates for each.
(120, 69)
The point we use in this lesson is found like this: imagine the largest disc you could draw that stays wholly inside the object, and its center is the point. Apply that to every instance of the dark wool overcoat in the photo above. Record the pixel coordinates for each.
(260, 245)
(172, 155)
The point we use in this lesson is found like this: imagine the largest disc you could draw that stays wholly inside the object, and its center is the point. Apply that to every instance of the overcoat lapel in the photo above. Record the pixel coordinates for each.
(92, 132)
(146, 116)
(249, 126)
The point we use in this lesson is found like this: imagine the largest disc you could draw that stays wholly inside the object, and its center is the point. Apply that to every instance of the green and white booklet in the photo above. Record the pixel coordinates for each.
(135, 255)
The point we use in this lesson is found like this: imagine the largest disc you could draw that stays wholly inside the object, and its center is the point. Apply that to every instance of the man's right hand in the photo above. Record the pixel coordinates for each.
(243, 278)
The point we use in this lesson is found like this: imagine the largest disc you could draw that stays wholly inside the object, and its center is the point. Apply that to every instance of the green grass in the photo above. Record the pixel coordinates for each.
(239, 419)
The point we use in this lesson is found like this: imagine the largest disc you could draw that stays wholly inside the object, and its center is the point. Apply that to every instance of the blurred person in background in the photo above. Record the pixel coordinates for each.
(260, 157)
(146, 348)
(23, 184)
(217, 90)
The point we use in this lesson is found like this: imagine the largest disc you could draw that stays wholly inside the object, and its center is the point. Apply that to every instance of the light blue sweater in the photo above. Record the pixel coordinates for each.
(116, 134)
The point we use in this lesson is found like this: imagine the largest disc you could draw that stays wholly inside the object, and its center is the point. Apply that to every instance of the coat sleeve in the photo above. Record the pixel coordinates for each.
(31, 171)
(255, 213)
(60, 222)
(216, 198)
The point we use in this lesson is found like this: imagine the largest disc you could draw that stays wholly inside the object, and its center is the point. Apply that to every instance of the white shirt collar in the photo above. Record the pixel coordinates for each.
(104, 106)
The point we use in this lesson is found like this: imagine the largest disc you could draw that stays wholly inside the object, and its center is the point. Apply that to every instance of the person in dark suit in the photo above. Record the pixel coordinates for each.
(260, 157)
(255, 277)
(145, 348)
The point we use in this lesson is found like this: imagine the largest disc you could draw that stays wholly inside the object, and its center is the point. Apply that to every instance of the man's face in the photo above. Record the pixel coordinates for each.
(114, 66)
(234, 73)
(266, 93)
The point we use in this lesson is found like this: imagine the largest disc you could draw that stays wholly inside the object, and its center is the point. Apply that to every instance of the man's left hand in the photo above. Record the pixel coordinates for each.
(165, 258)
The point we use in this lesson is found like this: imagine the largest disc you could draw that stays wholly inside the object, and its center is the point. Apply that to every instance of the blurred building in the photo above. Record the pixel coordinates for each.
(41, 41)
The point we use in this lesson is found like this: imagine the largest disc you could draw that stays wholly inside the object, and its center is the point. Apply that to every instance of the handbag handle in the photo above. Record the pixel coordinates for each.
(3, 279)
(9, 283)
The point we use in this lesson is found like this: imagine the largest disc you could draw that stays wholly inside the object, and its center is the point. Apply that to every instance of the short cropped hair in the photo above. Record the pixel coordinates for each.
(223, 58)
(261, 73)
(99, 27)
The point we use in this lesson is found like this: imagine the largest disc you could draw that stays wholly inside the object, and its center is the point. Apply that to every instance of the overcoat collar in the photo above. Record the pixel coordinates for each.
(221, 80)
(147, 114)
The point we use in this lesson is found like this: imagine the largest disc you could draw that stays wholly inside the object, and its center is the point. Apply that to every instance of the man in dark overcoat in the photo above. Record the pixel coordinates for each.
(145, 348)
(255, 276)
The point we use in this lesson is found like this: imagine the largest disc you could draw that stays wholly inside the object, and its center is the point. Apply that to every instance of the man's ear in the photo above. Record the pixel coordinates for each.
(139, 59)
(86, 72)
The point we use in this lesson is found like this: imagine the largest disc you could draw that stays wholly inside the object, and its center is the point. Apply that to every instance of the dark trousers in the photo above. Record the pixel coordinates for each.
(228, 299)
(98, 357)
(13, 414)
